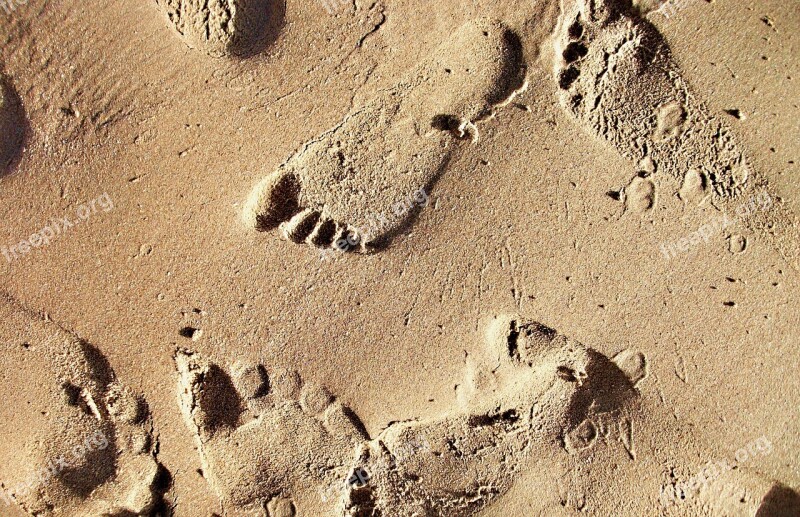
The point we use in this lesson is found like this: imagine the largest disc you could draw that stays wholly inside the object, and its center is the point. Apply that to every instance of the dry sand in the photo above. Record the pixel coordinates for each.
(384, 259)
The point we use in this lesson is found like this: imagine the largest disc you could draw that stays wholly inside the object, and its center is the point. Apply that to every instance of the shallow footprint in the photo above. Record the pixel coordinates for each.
(223, 27)
(86, 448)
(268, 441)
(337, 191)
(617, 77)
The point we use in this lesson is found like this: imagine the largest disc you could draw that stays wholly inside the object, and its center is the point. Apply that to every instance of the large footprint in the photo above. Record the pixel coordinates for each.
(77, 441)
(329, 192)
(617, 77)
(223, 27)
(268, 441)
(533, 388)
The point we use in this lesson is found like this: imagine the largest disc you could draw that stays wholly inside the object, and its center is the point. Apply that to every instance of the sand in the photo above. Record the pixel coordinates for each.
(371, 259)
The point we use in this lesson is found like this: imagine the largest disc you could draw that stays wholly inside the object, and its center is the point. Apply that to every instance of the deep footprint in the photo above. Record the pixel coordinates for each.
(617, 77)
(533, 388)
(87, 447)
(223, 27)
(329, 192)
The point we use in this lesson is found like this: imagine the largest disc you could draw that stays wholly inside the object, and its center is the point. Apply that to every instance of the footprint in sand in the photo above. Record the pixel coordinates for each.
(224, 27)
(399, 143)
(267, 440)
(12, 126)
(531, 389)
(617, 77)
(78, 441)
(273, 444)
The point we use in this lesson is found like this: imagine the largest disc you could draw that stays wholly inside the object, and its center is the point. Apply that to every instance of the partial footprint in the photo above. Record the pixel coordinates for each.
(77, 441)
(13, 124)
(268, 441)
(730, 488)
(335, 185)
(533, 388)
(225, 27)
(617, 77)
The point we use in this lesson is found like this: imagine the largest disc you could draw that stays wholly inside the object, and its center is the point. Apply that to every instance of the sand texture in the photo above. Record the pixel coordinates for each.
(377, 259)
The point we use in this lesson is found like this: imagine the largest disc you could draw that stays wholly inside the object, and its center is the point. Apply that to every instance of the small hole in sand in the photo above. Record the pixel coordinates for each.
(566, 374)
(574, 52)
(567, 77)
(575, 30)
(190, 333)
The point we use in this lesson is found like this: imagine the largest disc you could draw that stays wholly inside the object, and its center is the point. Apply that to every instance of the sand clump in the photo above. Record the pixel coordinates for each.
(221, 28)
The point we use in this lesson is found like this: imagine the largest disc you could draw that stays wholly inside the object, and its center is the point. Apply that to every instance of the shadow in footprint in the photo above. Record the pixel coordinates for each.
(220, 399)
(515, 68)
(14, 127)
(780, 501)
(162, 485)
(264, 21)
(99, 367)
(95, 471)
(385, 239)
(605, 388)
